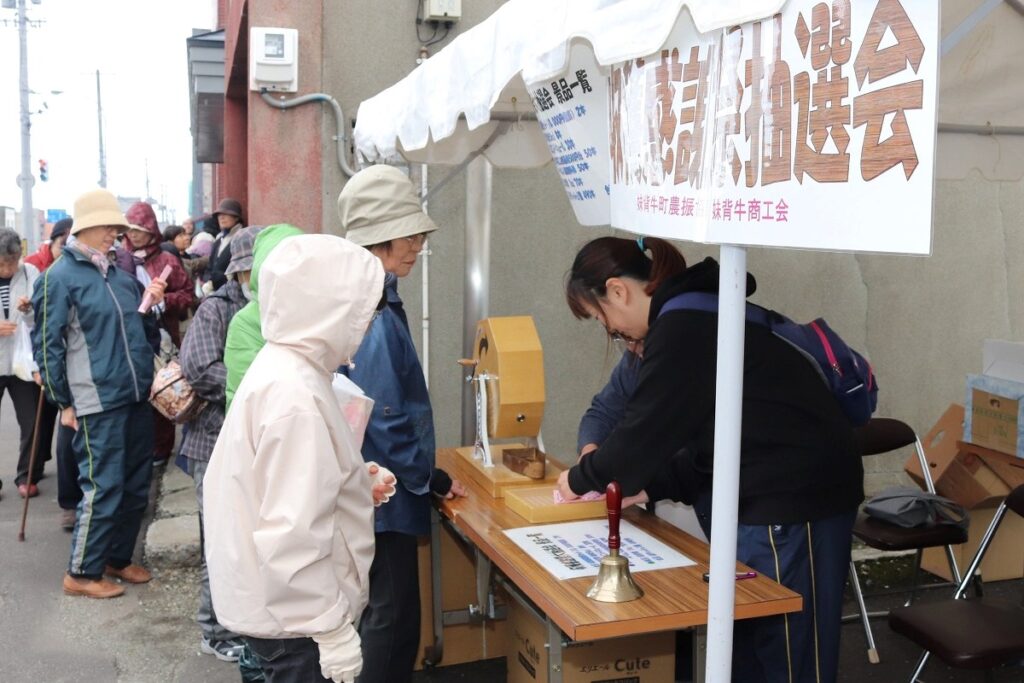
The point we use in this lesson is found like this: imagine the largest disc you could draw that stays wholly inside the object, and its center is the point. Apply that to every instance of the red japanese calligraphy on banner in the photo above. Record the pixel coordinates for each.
(814, 128)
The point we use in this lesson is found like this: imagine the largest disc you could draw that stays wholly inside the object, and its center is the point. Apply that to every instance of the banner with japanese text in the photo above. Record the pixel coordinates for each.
(814, 128)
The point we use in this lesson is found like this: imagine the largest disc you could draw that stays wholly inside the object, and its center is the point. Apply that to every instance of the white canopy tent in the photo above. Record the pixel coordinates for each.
(474, 91)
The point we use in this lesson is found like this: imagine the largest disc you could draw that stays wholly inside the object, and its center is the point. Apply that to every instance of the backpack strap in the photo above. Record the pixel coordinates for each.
(708, 302)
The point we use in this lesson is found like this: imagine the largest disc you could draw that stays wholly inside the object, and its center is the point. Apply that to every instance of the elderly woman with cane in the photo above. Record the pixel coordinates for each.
(16, 279)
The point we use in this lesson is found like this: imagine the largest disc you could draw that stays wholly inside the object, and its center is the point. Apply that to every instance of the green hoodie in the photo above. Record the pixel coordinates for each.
(245, 338)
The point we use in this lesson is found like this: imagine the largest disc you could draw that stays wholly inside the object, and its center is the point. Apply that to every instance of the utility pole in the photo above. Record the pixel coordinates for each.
(99, 122)
(26, 180)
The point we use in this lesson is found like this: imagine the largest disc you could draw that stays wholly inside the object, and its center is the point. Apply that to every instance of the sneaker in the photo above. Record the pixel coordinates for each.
(91, 588)
(67, 519)
(133, 573)
(224, 650)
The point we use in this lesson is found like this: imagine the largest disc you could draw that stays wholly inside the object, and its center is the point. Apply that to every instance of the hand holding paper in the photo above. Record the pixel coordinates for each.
(155, 291)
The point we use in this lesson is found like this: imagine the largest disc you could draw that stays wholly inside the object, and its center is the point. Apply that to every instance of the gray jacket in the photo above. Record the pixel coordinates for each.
(21, 285)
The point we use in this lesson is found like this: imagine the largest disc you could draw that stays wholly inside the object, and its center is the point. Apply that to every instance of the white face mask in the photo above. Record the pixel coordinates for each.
(246, 292)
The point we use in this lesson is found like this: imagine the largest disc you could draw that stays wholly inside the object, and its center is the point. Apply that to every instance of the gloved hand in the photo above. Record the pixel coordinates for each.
(382, 483)
(341, 657)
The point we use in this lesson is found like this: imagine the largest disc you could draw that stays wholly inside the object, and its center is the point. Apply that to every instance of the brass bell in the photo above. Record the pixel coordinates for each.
(614, 583)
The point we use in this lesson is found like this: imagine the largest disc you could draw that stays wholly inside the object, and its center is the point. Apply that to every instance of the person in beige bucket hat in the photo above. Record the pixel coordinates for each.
(97, 208)
(93, 347)
(378, 205)
(380, 211)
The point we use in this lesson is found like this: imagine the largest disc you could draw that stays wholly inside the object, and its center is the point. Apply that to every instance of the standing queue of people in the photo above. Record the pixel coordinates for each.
(313, 459)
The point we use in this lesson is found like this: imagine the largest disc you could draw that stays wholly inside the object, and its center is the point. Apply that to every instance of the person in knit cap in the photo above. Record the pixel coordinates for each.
(229, 219)
(380, 211)
(49, 250)
(93, 349)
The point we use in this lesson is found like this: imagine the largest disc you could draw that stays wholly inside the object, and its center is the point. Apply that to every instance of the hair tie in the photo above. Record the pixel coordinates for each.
(640, 243)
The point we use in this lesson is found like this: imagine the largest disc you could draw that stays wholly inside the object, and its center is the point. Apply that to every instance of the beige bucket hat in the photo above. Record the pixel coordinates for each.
(95, 208)
(379, 204)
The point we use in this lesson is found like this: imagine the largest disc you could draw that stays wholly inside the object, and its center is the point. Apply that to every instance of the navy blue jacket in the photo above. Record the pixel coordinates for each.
(400, 435)
(90, 342)
(609, 404)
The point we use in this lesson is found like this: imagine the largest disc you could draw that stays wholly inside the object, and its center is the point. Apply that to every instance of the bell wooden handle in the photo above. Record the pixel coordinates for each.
(613, 498)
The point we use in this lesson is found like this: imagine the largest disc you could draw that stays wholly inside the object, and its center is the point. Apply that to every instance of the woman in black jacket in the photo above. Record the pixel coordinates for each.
(801, 478)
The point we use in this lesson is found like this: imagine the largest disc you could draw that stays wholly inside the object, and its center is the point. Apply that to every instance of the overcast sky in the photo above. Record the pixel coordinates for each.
(139, 48)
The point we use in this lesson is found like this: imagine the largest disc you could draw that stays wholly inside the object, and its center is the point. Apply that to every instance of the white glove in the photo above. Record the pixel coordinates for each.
(381, 477)
(341, 658)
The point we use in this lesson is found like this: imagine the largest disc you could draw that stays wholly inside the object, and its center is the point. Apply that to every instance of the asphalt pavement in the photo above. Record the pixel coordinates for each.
(148, 635)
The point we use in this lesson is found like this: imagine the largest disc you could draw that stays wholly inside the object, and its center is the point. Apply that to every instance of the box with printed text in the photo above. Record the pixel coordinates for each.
(647, 658)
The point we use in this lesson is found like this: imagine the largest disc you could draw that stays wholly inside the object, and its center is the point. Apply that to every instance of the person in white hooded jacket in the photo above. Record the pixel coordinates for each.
(288, 505)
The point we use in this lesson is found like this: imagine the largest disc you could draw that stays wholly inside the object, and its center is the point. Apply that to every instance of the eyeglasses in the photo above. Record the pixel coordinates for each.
(416, 241)
(620, 339)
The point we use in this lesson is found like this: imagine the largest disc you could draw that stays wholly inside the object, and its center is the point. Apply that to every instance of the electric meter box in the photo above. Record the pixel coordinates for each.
(442, 10)
(274, 59)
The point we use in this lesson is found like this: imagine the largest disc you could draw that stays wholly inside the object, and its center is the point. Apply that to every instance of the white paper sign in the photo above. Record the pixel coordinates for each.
(573, 549)
(572, 111)
(813, 129)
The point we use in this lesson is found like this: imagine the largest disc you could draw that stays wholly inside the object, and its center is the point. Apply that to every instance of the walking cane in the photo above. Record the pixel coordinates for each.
(31, 463)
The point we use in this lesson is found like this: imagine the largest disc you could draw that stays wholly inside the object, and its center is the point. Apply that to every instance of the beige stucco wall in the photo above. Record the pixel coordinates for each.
(920, 320)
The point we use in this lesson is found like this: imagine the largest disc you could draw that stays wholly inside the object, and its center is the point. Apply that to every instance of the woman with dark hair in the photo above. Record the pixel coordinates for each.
(801, 478)
(177, 237)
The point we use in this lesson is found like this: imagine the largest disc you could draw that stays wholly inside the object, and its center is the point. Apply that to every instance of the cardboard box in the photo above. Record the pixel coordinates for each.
(995, 412)
(979, 479)
(959, 476)
(462, 642)
(1004, 559)
(636, 659)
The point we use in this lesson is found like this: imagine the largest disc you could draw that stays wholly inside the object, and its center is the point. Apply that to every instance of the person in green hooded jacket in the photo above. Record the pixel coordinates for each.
(245, 339)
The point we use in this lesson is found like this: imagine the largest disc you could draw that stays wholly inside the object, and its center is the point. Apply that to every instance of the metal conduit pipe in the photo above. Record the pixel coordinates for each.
(980, 129)
(477, 283)
(339, 119)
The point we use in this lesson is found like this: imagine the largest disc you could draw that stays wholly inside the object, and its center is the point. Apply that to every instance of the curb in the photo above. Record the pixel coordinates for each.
(172, 539)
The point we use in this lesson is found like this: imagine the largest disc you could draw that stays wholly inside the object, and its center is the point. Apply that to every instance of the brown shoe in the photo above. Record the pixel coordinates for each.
(92, 588)
(133, 573)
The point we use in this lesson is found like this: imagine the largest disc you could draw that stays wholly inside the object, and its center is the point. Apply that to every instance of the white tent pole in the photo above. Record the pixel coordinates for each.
(732, 284)
(477, 284)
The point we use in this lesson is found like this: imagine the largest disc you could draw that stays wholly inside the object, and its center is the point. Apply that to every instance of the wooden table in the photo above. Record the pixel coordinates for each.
(673, 598)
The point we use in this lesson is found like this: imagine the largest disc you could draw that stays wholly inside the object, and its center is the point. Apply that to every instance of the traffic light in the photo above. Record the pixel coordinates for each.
(44, 173)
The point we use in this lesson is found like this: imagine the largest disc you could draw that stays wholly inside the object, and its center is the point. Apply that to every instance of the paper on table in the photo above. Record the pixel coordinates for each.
(573, 549)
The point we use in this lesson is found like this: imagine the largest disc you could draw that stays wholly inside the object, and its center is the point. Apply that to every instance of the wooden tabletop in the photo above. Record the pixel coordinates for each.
(673, 598)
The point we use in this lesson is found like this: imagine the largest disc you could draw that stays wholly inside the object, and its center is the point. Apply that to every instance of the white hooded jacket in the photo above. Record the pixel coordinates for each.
(288, 511)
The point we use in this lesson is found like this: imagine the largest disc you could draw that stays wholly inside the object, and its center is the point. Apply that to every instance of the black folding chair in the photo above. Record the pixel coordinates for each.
(884, 435)
(966, 633)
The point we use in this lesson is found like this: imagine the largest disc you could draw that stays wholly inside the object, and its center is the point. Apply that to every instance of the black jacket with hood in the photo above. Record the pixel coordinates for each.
(798, 457)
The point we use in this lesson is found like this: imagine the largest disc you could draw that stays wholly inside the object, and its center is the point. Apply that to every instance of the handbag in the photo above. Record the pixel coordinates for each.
(23, 364)
(910, 507)
(172, 395)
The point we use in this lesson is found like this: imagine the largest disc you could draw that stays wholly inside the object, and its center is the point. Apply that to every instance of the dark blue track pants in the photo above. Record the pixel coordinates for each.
(812, 559)
(114, 450)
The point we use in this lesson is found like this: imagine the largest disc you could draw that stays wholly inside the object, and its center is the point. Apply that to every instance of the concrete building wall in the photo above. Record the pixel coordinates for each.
(921, 321)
